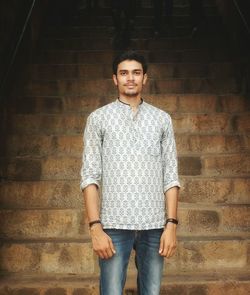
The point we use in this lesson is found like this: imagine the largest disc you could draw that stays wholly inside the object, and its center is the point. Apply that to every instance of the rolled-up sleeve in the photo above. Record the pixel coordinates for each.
(91, 171)
(169, 156)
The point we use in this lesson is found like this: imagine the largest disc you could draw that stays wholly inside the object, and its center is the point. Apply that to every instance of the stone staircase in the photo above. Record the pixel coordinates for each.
(45, 248)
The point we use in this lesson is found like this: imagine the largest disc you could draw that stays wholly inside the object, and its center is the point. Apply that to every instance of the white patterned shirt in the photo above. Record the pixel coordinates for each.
(132, 158)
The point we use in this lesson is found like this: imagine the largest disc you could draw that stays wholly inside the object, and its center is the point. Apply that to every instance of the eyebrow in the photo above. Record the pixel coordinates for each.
(134, 70)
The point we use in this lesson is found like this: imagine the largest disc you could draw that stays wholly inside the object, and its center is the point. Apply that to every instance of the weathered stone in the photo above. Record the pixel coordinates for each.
(27, 291)
(87, 291)
(215, 143)
(61, 168)
(199, 221)
(26, 105)
(56, 291)
(83, 103)
(241, 123)
(161, 71)
(233, 103)
(197, 103)
(42, 194)
(166, 102)
(236, 218)
(221, 69)
(48, 124)
(209, 190)
(228, 165)
(189, 165)
(246, 140)
(19, 291)
(194, 70)
(24, 169)
(201, 255)
(201, 123)
(48, 257)
(169, 86)
(41, 223)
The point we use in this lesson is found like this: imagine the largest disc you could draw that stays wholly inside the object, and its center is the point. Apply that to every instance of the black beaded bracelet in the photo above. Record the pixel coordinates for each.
(94, 222)
(173, 220)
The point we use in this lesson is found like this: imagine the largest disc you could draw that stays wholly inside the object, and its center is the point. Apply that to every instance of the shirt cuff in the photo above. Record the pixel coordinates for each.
(87, 182)
(171, 184)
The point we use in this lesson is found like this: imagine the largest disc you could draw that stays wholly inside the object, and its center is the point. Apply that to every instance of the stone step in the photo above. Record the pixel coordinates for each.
(231, 282)
(140, 21)
(146, 9)
(155, 70)
(195, 220)
(56, 194)
(62, 168)
(101, 57)
(97, 31)
(72, 145)
(228, 85)
(77, 257)
(72, 124)
(108, 32)
(69, 42)
(171, 103)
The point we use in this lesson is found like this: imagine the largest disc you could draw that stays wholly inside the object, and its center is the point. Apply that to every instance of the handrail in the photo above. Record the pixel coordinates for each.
(6, 74)
(242, 16)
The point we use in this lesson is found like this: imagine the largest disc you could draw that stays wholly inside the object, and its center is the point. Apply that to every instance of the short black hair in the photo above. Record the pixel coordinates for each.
(130, 55)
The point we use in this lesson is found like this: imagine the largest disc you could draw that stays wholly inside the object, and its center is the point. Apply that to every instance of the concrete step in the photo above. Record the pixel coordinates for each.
(72, 124)
(171, 103)
(82, 87)
(62, 168)
(77, 257)
(195, 221)
(155, 70)
(71, 145)
(58, 194)
(101, 57)
(231, 282)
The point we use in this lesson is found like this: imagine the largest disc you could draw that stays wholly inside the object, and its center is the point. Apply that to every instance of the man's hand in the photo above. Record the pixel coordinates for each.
(102, 243)
(168, 241)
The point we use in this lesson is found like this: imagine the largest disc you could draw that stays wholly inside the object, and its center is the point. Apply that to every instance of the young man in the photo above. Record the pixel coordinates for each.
(130, 154)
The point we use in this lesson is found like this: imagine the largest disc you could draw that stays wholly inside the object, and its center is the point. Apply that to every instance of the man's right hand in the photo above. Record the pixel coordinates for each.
(102, 243)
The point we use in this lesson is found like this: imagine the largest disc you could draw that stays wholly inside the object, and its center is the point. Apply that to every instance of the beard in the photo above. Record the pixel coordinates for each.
(131, 93)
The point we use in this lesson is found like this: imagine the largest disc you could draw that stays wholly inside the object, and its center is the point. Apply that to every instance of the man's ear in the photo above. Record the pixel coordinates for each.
(115, 79)
(145, 78)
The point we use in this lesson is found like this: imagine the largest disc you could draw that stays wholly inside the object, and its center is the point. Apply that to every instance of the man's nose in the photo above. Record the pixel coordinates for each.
(130, 76)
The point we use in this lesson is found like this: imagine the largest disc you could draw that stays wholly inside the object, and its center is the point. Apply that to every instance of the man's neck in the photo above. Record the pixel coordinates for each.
(132, 101)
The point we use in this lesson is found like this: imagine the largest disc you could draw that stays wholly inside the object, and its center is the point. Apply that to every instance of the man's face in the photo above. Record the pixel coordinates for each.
(130, 78)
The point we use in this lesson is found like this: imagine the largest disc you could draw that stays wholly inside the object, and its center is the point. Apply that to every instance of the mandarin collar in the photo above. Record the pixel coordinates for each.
(124, 104)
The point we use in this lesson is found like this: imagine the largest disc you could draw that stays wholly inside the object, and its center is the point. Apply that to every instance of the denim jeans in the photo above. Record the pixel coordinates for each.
(147, 259)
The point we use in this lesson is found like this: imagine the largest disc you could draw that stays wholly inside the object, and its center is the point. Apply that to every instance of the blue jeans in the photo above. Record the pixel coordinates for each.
(147, 259)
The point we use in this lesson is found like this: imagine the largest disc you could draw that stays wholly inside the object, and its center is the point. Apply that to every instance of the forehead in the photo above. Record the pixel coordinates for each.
(129, 65)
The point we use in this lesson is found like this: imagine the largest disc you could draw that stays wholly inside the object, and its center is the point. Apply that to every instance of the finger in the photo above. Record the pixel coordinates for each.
(161, 247)
(105, 254)
(109, 253)
(100, 254)
(112, 247)
(171, 251)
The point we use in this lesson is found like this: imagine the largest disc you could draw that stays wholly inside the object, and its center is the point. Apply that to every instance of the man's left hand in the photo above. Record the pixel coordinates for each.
(168, 242)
